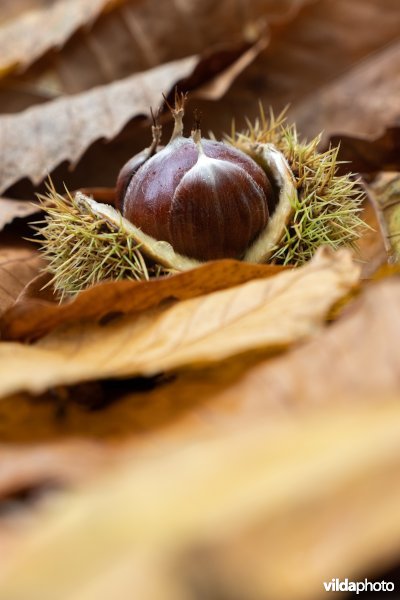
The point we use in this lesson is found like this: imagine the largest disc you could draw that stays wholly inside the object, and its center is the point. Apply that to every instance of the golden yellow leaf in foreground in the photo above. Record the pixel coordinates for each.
(268, 314)
(266, 514)
(32, 316)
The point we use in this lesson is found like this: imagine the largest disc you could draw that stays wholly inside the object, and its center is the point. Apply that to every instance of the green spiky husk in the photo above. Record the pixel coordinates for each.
(327, 210)
(82, 249)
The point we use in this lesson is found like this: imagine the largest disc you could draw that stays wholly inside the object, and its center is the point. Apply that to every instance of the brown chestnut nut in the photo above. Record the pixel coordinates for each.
(133, 164)
(207, 199)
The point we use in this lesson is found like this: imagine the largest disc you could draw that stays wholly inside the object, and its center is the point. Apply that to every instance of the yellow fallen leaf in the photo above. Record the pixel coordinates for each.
(267, 514)
(356, 357)
(32, 316)
(271, 313)
(207, 400)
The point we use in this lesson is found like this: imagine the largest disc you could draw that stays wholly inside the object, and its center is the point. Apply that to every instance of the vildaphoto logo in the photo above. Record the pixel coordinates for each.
(337, 585)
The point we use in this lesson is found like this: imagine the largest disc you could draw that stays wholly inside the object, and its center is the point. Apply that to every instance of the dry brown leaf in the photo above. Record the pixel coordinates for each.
(24, 39)
(357, 357)
(313, 50)
(304, 55)
(15, 209)
(141, 35)
(264, 514)
(385, 194)
(271, 313)
(206, 401)
(362, 103)
(371, 247)
(19, 263)
(32, 316)
(64, 129)
(210, 400)
(371, 155)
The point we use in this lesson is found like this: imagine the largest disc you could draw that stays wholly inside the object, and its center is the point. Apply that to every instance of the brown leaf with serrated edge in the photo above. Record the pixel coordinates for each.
(42, 137)
(66, 127)
(27, 37)
(19, 263)
(15, 209)
(304, 56)
(31, 316)
(269, 313)
(266, 515)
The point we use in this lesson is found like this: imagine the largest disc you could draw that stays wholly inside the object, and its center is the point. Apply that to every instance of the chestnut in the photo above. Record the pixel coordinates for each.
(261, 197)
(133, 164)
(205, 198)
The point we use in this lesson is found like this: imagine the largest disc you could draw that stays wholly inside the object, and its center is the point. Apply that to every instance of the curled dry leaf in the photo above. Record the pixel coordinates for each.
(15, 209)
(271, 313)
(266, 515)
(32, 316)
(65, 128)
(24, 39)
